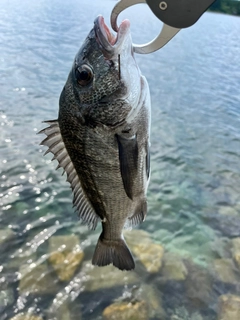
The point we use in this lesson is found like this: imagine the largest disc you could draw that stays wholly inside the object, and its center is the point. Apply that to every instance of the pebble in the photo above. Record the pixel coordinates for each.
(65, 255)
(236, 251)
(229, 307)
(126, 311)
(225, 271)
(96, 278)
(37, 279)
(173, 268)
(5, 235)
(150, 254)
(22, 316)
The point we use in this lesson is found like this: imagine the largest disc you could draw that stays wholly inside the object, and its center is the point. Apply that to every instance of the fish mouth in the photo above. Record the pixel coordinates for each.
(107, 41)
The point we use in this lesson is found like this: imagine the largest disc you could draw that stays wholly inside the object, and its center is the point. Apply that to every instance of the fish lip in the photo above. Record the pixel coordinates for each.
(107, 41)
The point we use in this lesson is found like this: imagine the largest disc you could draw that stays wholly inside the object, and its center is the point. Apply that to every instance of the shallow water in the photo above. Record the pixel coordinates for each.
(194, 193)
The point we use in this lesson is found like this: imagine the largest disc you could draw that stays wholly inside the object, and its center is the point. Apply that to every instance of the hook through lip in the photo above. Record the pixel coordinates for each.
(166, 34)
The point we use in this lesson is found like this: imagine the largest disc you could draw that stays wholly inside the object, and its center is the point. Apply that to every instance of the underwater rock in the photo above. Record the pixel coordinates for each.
(173, 267)
(199, 286)
(126, 311)
(5, 235)
(182, 313)
(37, 279)
(26, 316)
(6, 298)
(225, 271)
(60, 312)
(21, 257)
(65, 255)
(150, 254)
(225, 195)
(229, 307)
(228, 225)
(152, 297)
(96, 278)
(227, 210)
(133, 237)
(236, 251)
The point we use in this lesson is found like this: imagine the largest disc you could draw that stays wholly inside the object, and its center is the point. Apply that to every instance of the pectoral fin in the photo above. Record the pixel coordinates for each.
(128, 158)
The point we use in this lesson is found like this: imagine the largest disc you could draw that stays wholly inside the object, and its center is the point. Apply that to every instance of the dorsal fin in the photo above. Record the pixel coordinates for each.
(55, 144)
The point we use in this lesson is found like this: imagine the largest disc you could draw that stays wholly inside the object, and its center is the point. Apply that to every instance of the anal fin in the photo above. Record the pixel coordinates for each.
(139, 214)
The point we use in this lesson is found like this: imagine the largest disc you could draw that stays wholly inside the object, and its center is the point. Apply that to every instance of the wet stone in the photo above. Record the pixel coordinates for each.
(229, 307)
(5, 235)
(37, 279)
(26, 316)
(126, 311)
(182, 313)
(225, 271)
(6, 298)
(61, 312)
(65, 255)
(97, 278)
(152, 297)
(150, 254)
(173, 267)
(227, 210)
(22, 257)
(236, 251)
(199, 286)
(135, 236)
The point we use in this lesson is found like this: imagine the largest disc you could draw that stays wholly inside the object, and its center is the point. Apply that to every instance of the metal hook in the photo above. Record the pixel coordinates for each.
(166, 34)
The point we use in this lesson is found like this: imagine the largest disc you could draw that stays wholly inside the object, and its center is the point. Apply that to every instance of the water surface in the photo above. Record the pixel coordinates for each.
(194, 193)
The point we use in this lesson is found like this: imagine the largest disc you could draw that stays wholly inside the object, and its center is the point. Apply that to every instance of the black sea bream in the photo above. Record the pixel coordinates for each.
(101, 139)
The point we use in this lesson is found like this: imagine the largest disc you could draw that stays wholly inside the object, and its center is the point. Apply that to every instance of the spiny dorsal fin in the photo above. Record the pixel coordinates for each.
(55, 145)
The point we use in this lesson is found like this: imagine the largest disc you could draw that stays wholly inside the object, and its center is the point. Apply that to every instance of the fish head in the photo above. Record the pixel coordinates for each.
(104, 85)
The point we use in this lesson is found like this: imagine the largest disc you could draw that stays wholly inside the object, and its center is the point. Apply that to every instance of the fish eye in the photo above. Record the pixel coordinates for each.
(84, 75)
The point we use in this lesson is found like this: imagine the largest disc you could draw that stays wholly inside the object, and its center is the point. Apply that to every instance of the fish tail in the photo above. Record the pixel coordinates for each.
(113, 251)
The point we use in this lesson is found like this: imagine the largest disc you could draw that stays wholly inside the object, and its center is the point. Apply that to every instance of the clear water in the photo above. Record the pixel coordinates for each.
(194, 193)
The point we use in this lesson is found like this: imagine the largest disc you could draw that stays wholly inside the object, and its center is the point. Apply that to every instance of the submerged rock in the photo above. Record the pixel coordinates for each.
(96, 278)
(5, 235)
(126, 311)
(225, 271)
(199, 286)
(26, 316)
(152, 297)
(173, 267)
(182, 313)
(65, 255)
(60, 311)
(36, 279)
(228, 225)
(236, 251)
(133, 237)
(227, 210)
(6, 298)
(229, 307)
(150, 254)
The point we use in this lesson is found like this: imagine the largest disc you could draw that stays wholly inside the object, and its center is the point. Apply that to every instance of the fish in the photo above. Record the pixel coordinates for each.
(101, 139)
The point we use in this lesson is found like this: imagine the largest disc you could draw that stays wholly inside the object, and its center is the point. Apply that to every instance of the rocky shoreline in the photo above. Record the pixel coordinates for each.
(164, 285)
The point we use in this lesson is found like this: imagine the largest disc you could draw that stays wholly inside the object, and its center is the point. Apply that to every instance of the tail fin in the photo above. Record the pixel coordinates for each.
(113, 251)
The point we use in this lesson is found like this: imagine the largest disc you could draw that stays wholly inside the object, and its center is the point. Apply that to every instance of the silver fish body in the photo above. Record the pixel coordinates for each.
(101, 139)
